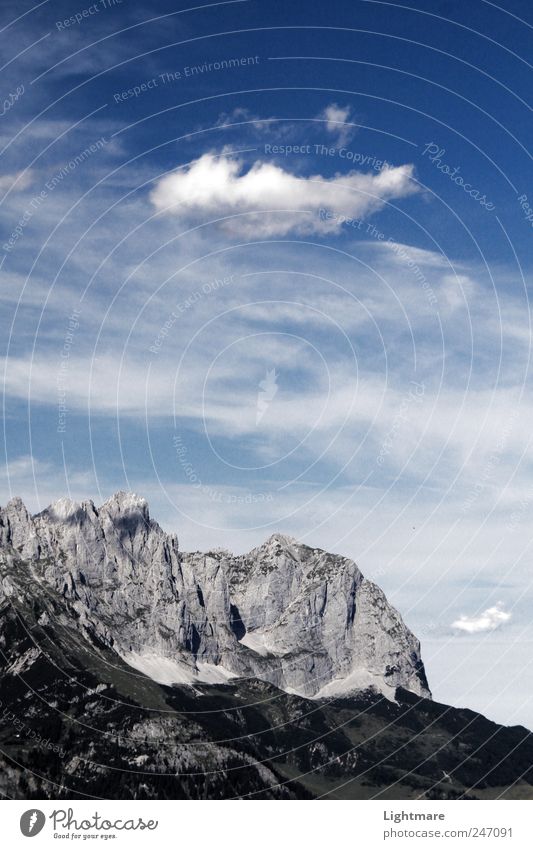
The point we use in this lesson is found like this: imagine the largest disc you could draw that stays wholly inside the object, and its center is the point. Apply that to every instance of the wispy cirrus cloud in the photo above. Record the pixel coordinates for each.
(241, 115)
(17, 182)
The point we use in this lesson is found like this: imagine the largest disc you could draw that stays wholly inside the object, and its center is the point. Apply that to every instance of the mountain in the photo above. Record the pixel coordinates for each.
(130, 669)
(297, 617)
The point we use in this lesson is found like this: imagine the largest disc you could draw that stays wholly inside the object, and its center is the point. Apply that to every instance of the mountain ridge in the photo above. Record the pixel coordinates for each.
(77, 721)
(298, 617)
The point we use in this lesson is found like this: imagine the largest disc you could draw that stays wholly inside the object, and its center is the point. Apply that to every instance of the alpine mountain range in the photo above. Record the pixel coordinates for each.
(132, 669)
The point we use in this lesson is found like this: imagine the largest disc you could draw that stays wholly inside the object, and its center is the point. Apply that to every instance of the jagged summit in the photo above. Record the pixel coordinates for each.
(120, 501)
(64, 508)
(277, 542)
(16, 503)
(300, 618)
(123, 501)
(281, 539)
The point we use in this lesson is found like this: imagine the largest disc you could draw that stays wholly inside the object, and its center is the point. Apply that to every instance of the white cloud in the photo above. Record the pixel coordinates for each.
(458, 290)
(240, 115)
(16, 182)
(421, 256)
(39, 482)
(267, 200)
(336, 117)
(489, 620)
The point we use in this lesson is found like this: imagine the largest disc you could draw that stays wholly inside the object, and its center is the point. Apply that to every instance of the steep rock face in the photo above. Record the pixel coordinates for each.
(297, 617)
(78, 723)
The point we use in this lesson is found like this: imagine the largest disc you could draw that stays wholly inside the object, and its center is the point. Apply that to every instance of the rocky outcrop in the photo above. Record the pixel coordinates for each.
(295, 616)
(78, 723)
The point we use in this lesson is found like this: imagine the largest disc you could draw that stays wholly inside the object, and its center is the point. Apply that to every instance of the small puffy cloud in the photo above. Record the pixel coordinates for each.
(336, 118)
(267, 200)
(489, 620)
(420, 256)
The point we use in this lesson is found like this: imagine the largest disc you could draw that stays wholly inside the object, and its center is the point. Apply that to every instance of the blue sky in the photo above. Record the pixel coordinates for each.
(269, 265)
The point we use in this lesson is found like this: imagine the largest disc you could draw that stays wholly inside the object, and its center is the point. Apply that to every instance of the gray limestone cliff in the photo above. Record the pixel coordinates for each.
(295, 616)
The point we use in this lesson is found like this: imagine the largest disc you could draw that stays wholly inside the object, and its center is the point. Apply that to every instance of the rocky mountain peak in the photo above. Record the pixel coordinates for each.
(298, 617)
(283, 540)
(16, 503)
(126, 502)
(63, 509)
(278, 545)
